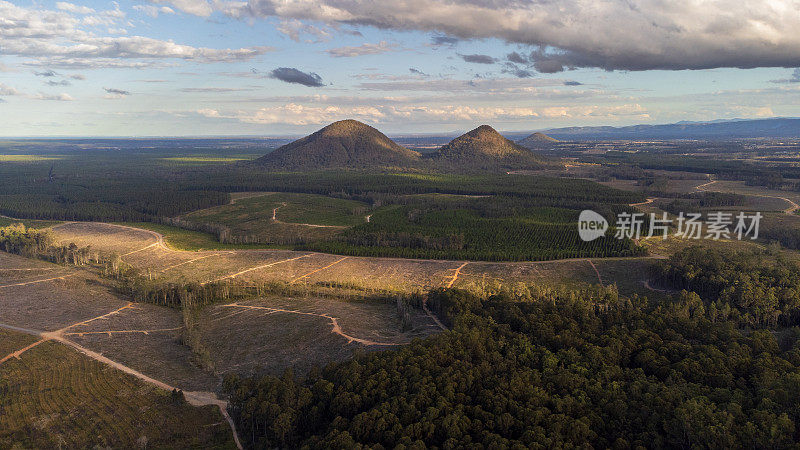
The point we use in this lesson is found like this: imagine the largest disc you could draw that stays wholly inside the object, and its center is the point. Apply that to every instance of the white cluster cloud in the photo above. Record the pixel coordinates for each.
(303, 115)
(295, 28)
(609, 34)
(7, 91)
(61, 39)
(363, 49)
(200, 8)
(63, 97)
(73, 8)
(153, 11)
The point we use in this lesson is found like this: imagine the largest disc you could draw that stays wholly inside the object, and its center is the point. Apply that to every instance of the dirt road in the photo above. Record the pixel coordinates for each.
(790, 210)
(336, 328)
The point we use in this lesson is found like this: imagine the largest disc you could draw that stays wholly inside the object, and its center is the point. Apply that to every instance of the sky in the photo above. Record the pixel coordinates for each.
(289, 67)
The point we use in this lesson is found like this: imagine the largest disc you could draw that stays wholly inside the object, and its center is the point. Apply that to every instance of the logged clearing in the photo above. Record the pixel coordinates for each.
(150, 339)
(311, 268)
(103, 237)
(143, 336)
(273, 334)
(54, 397)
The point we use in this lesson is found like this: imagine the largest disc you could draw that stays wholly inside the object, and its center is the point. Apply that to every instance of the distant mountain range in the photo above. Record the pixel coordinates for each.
(727, 129)
(352, 144)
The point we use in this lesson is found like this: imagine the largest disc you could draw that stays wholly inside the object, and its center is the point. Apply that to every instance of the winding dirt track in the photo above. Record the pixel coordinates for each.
(432, 315)
(25, 283)
(263, 266)
(455, 275)
(650, 287)
(790, 210)
(19, 352)
(649, 200)
(336, 328)
(318, 270)
(160, 245)
(599, 278)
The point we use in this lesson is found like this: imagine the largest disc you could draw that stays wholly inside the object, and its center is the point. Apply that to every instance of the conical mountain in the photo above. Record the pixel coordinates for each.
(482, 142)
(347, 143)
(537, 140)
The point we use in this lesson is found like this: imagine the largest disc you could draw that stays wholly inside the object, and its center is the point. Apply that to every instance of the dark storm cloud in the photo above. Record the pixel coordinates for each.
(478, 59)
(292, 75)
(794, 78)
(417, 72)
(573, 83)
(517, 58)
(517, 71)
(442, 39)
(611, 35)
(47, 74)
(116, 91)
(214, 89)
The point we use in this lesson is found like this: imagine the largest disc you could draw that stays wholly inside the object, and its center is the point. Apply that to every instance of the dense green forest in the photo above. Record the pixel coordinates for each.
(528, 234)
(431, 215)
(752, 289)
(773, 177)
(543, 369)
(149, 184)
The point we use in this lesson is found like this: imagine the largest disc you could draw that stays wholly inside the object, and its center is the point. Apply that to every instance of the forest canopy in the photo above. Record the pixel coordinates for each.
(539, 369)
(753, 289)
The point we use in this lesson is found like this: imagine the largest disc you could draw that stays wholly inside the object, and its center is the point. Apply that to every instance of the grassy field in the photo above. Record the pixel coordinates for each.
(26, 158)
(740, 187)
(298, 217)
(188, 240)
(53, 397)
(30, 223)
(195, 160)
(658, 246)
(291, 208)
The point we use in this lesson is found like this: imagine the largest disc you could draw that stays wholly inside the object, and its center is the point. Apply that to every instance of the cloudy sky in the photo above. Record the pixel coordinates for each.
(278, 67)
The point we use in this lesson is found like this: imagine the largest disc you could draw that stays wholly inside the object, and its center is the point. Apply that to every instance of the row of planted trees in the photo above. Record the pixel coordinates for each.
(33, 242)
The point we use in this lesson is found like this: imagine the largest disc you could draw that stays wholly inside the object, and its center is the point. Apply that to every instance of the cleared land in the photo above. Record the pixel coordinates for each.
(272, 334)
(146, 341)
(311, 268)
(149, 338)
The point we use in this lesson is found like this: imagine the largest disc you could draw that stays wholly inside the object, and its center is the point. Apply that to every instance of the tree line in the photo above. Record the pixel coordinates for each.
(754, 289)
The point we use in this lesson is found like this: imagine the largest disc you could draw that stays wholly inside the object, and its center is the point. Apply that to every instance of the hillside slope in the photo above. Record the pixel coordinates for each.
(346, 143)
(537, 140)
(484, 148)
